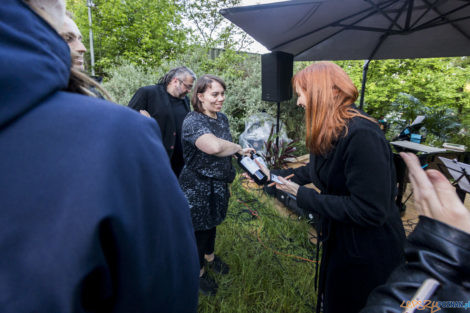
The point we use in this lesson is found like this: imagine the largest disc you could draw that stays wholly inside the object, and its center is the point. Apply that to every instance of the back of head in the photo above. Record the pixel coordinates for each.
(179, 72)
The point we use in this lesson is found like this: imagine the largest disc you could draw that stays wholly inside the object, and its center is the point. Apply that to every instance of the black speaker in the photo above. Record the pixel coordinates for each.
(276, 75)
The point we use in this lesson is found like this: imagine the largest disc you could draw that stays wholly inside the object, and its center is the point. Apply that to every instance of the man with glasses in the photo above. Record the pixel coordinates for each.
(167, 102)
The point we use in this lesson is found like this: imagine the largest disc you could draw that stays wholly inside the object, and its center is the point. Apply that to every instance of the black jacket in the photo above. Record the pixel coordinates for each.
(361, 229)
(155, 100)
(434, 250)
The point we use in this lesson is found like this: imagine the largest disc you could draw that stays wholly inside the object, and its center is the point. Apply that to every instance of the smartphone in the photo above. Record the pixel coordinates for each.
(275, 179)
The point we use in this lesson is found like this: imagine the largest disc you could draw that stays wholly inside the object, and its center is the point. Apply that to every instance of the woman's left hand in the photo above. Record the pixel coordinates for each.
(288, 186)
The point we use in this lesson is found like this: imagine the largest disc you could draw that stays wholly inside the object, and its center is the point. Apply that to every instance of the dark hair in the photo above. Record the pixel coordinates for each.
(179, 72)
(202, 84)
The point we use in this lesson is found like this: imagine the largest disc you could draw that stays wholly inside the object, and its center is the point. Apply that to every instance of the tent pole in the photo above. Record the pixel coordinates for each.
(364, 80)
(277, 124)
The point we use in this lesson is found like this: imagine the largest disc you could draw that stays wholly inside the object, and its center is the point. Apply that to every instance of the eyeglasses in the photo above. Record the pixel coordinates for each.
(188, 87)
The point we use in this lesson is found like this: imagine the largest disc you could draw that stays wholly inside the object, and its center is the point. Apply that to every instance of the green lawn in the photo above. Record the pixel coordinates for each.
(261, 279)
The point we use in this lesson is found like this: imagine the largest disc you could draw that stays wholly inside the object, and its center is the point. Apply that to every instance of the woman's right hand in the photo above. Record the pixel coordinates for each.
(246, 151)
(434, 196)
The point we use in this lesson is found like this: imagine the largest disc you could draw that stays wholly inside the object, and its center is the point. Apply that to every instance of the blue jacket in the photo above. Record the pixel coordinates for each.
(91, 214)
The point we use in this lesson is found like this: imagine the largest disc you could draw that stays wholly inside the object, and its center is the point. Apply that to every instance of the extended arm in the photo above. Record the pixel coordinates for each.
(210, 144)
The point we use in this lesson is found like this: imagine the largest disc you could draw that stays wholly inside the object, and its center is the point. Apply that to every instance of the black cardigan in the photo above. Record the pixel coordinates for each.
(156, 100)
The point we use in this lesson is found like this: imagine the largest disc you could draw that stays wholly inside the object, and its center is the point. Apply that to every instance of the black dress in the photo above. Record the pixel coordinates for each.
(361, 230)
(204, 178)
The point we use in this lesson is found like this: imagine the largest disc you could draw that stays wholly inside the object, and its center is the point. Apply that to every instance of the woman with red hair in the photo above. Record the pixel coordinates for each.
(352, 164)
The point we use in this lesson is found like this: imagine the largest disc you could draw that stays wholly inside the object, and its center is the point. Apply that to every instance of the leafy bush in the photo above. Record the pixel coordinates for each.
(126, 79)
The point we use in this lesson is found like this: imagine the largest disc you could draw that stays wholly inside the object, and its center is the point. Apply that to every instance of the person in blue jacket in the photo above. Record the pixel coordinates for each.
(92, 218)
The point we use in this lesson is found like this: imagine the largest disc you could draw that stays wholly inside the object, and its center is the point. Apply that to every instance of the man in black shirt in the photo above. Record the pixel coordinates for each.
(168, 104)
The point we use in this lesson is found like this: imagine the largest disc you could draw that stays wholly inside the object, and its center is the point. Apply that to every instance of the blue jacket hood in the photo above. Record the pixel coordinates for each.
(32, 56)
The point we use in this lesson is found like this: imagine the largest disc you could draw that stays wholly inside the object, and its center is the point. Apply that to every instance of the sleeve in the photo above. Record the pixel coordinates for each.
(139, 100)
(434, 250)
(368, 166)
(193, 128)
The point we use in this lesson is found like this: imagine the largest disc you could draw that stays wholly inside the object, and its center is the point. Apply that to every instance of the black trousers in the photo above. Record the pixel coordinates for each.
(205, 240)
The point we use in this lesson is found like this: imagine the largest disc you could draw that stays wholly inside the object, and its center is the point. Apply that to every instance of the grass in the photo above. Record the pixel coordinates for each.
(260, 280)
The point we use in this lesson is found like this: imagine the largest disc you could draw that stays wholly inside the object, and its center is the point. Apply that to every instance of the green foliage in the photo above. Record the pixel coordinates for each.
(259, 280)
(278, 151)
(126, 79)
(145, 32)
(209, 28)
(435, 82)
(440, 87)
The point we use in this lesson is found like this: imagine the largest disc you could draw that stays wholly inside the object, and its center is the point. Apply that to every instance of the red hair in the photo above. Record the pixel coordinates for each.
(329, 94)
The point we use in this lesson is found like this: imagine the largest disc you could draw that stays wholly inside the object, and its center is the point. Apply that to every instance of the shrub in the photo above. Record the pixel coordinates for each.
(125, 79)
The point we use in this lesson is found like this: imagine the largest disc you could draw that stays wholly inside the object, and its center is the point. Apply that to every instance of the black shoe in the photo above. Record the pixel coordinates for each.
(218, 266)
(207, 285)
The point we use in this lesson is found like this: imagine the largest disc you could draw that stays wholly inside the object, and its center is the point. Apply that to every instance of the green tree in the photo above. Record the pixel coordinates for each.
(435, 82)
(439, 87)
(209, 28)
(145, 32)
